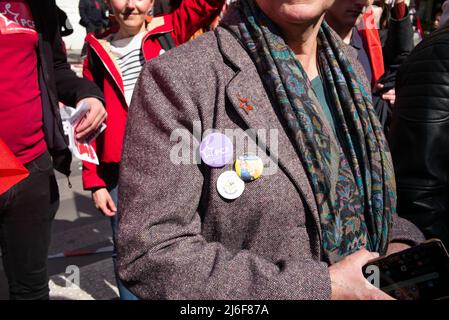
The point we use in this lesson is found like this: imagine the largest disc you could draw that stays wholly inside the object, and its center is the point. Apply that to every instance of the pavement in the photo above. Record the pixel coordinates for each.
(79, 230)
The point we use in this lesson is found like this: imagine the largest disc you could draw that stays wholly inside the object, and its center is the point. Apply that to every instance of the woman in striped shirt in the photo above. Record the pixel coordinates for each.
(114, 61)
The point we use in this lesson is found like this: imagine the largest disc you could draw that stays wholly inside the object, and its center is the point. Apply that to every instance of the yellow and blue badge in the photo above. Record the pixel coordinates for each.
(249, 167)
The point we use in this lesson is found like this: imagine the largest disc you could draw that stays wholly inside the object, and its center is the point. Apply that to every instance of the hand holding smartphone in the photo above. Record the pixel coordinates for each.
(418, 273)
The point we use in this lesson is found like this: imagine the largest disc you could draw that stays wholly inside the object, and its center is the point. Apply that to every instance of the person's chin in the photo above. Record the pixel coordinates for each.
(303, 15)
(353, 14)
(133, 23)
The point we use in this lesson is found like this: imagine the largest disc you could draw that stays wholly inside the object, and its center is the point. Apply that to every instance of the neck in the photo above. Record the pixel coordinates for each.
(127, 32)
(305, 46)
(344, 31)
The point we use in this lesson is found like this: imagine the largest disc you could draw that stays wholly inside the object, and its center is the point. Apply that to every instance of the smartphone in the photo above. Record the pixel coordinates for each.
(417, 273)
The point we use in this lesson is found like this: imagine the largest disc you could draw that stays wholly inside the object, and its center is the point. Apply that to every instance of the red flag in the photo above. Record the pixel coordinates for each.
(11, 170)
(370, 33)
(419, 27)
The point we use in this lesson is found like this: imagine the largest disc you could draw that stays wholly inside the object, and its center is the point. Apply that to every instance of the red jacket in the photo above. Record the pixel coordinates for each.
(100, 67)
(11, 170)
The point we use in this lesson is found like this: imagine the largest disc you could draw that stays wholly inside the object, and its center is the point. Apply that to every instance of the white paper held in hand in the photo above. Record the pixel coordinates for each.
(71, 118)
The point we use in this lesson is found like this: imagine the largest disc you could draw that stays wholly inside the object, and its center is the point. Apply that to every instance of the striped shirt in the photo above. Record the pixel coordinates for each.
(129, 57)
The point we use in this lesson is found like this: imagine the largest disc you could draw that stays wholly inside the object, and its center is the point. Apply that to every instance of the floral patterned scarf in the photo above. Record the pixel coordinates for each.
(351, 173)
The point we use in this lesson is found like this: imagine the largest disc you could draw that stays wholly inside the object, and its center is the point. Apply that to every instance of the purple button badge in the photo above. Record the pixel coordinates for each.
(216, 150)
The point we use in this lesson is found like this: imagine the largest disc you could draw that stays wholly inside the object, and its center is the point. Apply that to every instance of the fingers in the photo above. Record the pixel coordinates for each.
(390, 96)
(348, 281)
(108, 206)
(105, 210)
(362, 257)
(103, 202)
(94, 118)
(91, 123)
(111, 207)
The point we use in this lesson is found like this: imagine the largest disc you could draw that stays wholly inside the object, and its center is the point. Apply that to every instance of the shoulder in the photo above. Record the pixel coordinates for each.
(191, 59)
(431, 55)
(439, 40)
(422, 81)
(160, 24)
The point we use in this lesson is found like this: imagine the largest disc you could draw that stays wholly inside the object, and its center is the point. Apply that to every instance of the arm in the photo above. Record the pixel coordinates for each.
(83, 10)
(90, 174)
(419, 140)
(399, 42)
(162, 253)
(421, 171)
(72, 90)
(405, 232)
(193, 15)
(400, 9)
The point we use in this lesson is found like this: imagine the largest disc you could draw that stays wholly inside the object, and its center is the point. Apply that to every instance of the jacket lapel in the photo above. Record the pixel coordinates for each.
(108, 62)
(246, 84)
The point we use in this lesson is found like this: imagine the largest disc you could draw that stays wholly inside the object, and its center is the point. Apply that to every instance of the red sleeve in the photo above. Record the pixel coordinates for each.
(400, 9)
(193, 15)
(91, 177)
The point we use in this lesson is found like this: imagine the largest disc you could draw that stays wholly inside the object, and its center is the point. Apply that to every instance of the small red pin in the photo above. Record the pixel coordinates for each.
(245, 104)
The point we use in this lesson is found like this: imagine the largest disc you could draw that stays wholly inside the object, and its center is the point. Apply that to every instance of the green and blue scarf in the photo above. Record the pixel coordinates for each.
(351, 175)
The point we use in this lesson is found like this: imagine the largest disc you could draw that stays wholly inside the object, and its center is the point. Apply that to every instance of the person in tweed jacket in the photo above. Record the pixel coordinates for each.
(275, 76)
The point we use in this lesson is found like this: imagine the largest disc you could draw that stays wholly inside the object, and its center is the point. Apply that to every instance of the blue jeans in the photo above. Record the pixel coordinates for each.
(125, 294)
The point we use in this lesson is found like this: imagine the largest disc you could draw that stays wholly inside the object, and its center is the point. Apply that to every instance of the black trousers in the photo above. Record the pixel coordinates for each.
(26, 215)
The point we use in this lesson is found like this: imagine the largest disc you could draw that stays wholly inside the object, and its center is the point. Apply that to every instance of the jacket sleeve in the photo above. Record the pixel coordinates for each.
(399, 41)
(70, 88)
(406, 232)
(419, 141)
(162, 253)
(91, 172)
(193, 15)
(83, 7)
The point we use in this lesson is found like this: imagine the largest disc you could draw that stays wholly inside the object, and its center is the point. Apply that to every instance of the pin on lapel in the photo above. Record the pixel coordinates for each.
(245, 104)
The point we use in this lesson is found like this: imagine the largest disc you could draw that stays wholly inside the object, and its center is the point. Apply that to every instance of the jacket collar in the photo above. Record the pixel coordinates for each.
(356, 39)
(247, 84)
(102, 49)
(161, 24)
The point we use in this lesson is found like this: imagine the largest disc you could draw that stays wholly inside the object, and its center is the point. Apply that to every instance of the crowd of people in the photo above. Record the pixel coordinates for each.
(361, 146)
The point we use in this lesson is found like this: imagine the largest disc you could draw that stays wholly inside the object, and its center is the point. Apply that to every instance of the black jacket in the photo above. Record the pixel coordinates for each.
(57, 81)
(92, 13)
(165, 6)
(66, 28)
(419, 136)
(397, 41)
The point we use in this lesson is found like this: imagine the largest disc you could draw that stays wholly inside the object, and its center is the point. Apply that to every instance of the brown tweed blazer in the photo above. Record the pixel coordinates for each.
(177, 238)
